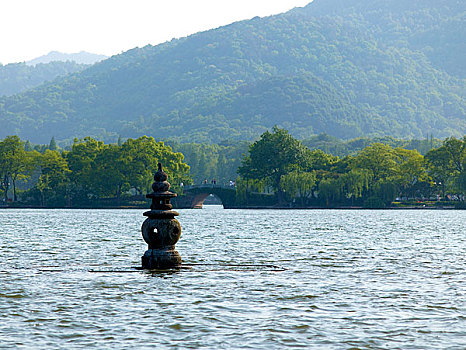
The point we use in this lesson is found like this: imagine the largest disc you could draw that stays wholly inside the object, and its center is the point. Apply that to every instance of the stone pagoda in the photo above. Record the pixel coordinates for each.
(161, 230)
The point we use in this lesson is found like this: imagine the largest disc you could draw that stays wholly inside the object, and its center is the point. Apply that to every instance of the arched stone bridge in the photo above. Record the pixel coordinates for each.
(194, 196)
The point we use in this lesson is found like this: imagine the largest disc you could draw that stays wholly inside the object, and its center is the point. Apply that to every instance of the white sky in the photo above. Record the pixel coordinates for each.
(32, 28)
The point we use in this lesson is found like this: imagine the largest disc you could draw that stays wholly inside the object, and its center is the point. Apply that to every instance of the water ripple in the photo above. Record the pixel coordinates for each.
(351, 279)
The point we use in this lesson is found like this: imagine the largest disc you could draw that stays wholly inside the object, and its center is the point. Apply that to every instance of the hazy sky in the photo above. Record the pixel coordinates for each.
(32, 28)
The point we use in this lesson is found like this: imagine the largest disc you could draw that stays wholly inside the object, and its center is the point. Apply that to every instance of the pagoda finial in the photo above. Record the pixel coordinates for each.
(161, 176)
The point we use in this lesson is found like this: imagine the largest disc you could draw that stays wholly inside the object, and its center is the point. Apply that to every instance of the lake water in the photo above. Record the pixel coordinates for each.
(347, 280)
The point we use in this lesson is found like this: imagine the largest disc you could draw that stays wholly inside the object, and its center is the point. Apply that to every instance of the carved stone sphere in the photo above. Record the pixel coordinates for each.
(160, 233)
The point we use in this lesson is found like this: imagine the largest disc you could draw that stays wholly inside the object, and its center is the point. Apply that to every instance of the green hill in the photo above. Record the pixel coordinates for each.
(19, 77)
(82, 57)
(346, 68)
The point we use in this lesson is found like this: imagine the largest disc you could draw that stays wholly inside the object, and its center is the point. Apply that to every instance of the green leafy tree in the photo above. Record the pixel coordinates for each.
(28, 146)
(319, 160)
(354, 183)
(461, 180)
(110, 172)
(377, 159)
(81, 163)
(298, 184)
(410, 171)
(212, 161)
(15, 164)
(141, 157)
(53, 145)
(446, 165)
(246, 188)
(330, 190)
(54, 176)
(4, 178)
(274, 155)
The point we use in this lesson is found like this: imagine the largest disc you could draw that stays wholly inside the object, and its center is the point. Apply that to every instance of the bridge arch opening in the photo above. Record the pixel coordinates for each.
(206, 199)
(213, 199)
(196, 196)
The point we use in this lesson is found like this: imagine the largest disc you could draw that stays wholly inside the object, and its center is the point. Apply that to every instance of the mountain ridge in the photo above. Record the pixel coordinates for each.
(310, 73)
(19, 77)
(81, 57)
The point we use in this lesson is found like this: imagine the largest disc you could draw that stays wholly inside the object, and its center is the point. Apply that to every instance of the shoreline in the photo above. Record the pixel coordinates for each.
(445, 207)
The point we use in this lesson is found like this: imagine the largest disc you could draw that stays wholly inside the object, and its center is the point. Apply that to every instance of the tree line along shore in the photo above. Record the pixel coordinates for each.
(277, 170)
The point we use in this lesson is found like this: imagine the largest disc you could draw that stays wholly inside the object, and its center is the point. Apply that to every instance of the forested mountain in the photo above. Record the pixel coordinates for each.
(435, 27)
(348, 68)
(82, 57)
(19, 77)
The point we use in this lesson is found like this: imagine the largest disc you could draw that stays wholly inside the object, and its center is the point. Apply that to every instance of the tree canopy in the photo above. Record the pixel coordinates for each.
(19, 77)
(278, 169)
(372, 177)
(274, 155)
(90, 170)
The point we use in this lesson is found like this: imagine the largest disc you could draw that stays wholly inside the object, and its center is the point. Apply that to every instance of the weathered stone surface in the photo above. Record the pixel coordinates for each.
(159, 233)
(160, 186)
(161, 258)
(161, 214)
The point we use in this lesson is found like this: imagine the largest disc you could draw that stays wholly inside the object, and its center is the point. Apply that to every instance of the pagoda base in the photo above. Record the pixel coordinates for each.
(160, 259)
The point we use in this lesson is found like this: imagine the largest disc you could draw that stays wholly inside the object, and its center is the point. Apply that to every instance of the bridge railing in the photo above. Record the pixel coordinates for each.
(191, 187)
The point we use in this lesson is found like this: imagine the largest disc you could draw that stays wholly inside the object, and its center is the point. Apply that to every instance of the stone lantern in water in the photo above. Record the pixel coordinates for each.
(161, 230)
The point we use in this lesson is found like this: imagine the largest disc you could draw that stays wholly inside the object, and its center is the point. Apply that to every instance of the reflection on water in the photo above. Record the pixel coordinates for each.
(350, 279)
